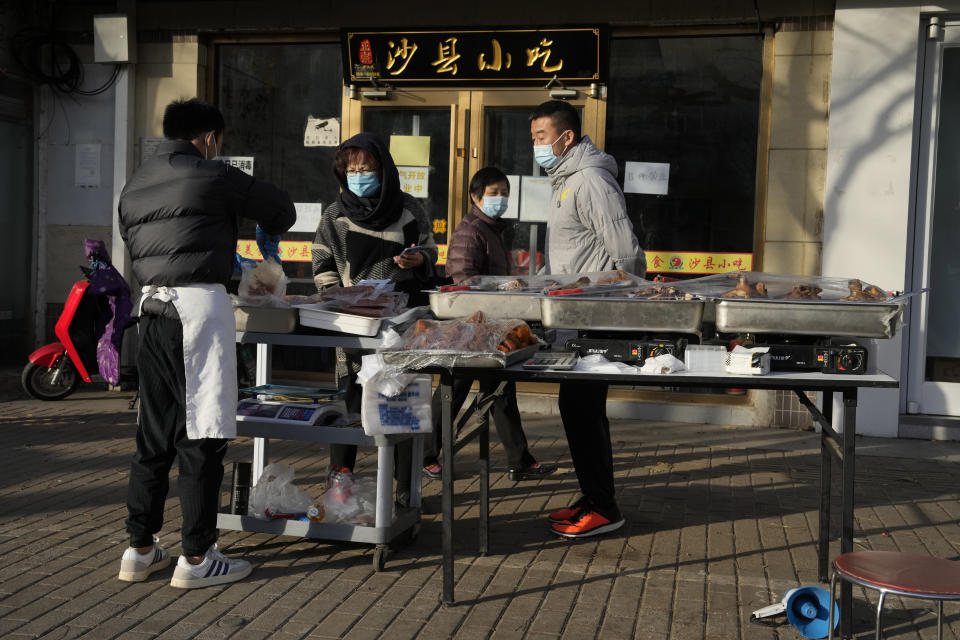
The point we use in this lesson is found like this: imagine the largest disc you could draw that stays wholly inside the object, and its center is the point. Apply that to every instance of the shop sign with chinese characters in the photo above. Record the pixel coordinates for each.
(697, 262)
(298, 251)
(573, 54)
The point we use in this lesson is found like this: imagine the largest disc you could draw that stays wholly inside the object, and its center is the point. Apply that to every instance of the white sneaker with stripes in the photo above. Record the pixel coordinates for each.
(216, 568)
(137, 567)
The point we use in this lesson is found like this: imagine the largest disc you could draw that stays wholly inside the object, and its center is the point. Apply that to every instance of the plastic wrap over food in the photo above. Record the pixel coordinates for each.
(374, 300)
(475, 340)
(755, 285)
(554, 282)
(262, 285)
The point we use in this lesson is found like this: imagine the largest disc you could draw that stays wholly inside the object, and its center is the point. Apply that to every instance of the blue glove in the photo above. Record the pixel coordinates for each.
(269, 245)
(239, 261)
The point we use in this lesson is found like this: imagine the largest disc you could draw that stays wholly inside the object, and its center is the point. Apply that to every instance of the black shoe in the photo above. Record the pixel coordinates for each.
(534, 471)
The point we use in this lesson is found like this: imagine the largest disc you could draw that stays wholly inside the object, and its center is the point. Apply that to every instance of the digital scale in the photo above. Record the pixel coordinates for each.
(290, 405)
(555, 360)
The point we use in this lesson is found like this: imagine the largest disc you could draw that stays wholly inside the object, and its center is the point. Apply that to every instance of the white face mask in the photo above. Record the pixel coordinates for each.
(206, 148)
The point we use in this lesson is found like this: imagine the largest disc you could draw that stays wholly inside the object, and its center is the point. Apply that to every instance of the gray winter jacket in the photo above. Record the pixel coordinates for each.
(588, 229)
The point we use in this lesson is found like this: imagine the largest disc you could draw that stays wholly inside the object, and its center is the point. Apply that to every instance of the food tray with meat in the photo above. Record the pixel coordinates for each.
(621, 312)
(516, 297)
(863, 320)
(476, 341)
(755, 285)
(495, 304)
(361, 325)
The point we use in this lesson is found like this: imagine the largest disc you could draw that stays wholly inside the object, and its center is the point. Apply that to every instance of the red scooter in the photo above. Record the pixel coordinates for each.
(90, 331)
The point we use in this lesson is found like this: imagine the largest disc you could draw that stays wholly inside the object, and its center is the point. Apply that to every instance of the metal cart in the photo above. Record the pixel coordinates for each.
(386, 529)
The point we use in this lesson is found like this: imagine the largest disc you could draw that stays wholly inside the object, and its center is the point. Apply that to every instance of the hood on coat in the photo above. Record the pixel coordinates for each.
(382, 211)
(582, 155)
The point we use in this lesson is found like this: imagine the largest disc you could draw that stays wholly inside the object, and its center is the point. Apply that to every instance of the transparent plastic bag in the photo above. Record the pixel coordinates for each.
(554, 282)
(275, 495)
(350, 500)
(756, 285)
(263, 285)
(374, 300)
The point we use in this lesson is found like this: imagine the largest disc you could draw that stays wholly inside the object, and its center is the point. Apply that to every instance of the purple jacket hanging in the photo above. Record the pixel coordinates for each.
(105, 280)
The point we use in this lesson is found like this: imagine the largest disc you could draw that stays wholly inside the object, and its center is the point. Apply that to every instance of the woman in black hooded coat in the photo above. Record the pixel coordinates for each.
(360, 237)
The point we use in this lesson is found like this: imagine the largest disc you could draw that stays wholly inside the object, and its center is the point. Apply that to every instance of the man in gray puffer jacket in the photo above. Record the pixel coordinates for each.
(588, 230)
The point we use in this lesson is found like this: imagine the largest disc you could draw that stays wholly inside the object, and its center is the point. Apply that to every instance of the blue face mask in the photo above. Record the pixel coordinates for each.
(363, 185)
(494, 206)
(544, 155)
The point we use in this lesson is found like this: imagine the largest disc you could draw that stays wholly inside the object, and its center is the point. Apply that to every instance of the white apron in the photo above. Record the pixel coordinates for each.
(209, 356)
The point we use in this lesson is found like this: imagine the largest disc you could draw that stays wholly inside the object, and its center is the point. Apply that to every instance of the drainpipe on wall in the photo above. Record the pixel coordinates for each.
(41, 119)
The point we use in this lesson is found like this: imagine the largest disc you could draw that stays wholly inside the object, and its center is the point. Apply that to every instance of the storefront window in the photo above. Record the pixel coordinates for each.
(266, 93)
(691, 103)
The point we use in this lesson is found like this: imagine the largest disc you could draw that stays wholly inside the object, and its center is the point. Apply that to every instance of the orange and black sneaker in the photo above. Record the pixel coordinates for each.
(587, 522)
(562, 515)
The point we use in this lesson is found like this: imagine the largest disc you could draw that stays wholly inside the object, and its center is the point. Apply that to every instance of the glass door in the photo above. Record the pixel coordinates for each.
(426, 132)
(500, 137)
(934, 356)
(439, 138)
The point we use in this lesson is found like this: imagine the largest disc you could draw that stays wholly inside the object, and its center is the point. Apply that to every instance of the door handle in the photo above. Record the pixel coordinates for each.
(475, 153)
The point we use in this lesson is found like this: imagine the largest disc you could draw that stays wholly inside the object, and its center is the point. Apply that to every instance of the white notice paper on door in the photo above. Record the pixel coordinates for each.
(308, 217)
(321, 132)
(535, 195)
(414, 180)
(646, 177)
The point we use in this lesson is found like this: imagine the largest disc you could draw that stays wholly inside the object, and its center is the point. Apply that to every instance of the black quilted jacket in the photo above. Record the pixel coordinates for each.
(179, 215)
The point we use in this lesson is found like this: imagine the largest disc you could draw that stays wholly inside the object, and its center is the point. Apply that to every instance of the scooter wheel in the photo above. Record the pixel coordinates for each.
(39, 381)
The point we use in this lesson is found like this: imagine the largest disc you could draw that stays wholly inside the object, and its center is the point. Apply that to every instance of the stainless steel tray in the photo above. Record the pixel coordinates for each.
(854, 319)
(621, 314)
(494, 304)
(448, 358)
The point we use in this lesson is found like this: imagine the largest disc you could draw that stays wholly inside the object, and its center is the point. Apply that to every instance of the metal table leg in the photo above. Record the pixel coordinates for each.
(446, 481)
(261, 446)
(826, 483)
(484, 479)
(846, 504)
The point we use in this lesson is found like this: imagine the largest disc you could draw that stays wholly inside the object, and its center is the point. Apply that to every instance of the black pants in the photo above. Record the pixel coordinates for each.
(345, 455)
(583, 411)
(506, 419)
(161, 436)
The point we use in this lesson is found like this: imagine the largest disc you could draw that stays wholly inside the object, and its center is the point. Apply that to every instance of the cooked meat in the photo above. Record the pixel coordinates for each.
(662, 292)
(804, 292)
(514, 285)
(859, 294)
(746, 290)
(617, 276)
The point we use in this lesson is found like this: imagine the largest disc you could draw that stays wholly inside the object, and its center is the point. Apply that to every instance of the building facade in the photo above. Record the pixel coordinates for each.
(797, 137)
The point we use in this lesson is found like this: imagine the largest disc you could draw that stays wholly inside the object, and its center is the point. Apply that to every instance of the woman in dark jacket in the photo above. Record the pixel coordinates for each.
(477, 248)
(362, 236)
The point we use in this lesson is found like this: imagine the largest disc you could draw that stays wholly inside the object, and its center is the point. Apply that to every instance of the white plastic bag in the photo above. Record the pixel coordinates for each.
(263, 285)
(275, 496)
(405, 412)
(350, 501)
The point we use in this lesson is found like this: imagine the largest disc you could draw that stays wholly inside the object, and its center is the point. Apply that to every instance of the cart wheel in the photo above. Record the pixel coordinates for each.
(380, 558)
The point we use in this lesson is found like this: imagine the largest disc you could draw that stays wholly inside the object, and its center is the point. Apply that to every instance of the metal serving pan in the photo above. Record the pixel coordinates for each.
(448, 358)
(621, 314)
(446, 305)
(854, 319)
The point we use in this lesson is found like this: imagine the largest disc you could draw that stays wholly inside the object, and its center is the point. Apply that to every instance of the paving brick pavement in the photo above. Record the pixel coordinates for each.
(721, 521)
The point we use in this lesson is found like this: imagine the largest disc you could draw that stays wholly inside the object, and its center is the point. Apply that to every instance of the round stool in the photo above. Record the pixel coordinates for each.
(904, 574)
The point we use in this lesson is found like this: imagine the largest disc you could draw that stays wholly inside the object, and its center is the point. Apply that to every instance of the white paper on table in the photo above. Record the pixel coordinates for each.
(535, 196)
(308, 217)
(646, 177)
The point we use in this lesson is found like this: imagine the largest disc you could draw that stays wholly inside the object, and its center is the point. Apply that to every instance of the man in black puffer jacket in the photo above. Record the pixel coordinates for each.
(179, 216)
